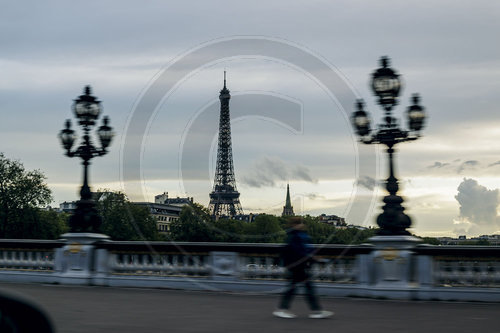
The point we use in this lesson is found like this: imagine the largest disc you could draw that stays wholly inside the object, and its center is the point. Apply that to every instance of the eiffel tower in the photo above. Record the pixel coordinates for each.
(224, 199)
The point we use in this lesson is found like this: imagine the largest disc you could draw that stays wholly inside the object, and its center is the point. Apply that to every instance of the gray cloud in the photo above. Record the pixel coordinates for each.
(266, 171)
(438, 165)
(315, 196)
(467, 165)
(456, 166)
(367, 182)
(494, 164)
(478, 207)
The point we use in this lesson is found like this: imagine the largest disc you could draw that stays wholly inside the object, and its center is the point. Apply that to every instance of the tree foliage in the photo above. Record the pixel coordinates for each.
(229, 231)
(431, 241)
(192, 225)
(195, 225)
(122, 220)
(266, 229)
(22, 192)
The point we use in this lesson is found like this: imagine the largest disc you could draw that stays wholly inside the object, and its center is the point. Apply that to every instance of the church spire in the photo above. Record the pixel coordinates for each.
(288, 208)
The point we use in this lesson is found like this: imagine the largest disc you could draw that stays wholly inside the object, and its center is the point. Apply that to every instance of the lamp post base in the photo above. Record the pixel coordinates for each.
(392, 260)
(393, 221)
(76, 260)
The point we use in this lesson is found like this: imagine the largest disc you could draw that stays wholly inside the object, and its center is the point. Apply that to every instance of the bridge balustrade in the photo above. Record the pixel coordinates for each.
(423, 272)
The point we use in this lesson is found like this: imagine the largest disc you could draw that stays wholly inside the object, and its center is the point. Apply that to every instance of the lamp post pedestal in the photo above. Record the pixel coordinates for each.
(392, 262)
(75, 261)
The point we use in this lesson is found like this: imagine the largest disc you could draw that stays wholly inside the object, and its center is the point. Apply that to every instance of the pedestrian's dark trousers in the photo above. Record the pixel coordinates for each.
(300, 277)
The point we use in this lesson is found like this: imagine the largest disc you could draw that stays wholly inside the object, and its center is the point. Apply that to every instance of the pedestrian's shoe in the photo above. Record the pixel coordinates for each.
(320, 314)
(283, 313)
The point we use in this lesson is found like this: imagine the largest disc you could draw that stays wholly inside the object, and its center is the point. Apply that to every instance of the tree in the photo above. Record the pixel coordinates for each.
(430, 241)
(267, 229)
(21, 193)
(122, 220)
(46, 225)
(229, 231)
(192, 225)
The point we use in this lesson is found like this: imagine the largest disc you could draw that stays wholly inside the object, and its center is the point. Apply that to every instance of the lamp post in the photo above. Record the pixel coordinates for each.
(386, 85)
(86, 109)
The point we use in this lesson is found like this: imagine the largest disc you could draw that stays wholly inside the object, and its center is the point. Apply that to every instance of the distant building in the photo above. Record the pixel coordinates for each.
(333, 220)
(163, 214)
(177, 201)
(491, 239)
(463, 240)
(67, 206)
(70, 206)
(287, 208)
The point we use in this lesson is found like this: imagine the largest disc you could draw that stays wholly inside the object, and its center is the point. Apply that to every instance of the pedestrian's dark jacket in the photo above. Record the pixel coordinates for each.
(297, 253)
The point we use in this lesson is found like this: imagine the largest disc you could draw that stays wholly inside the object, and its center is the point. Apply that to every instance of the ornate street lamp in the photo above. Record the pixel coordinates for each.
(86, 109)
(386, 85)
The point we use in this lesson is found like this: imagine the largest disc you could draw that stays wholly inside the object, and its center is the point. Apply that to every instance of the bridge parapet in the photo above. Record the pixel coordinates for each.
(433, 272)
(461, 266)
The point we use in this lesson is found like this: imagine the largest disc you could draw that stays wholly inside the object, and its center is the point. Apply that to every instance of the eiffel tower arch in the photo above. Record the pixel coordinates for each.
(225, 198)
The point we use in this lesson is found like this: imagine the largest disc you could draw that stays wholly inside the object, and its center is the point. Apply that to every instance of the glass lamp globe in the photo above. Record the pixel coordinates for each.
(87, 108)
(67, 136)
(416, 114)
(360, 120)
(105, 133)
(386, 84)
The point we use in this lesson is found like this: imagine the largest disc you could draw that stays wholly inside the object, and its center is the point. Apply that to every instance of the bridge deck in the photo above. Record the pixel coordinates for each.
(101, 309)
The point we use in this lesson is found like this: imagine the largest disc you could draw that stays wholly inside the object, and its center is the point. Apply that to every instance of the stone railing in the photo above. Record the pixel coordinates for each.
(28, 260)
(461, 266)
(28, 255)
(396, 267)
(338, 264)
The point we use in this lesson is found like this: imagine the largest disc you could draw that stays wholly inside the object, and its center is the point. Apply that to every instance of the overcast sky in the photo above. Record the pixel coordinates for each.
(288, 125)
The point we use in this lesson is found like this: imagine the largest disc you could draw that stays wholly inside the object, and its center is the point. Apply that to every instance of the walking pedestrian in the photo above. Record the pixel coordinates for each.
(297, 257)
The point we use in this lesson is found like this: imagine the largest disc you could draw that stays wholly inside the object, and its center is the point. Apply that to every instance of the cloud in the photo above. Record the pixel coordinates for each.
(367, 182)
(455, 166)
(467, 165)
(493, 164)
(314, 196)
(438, 165)
(266, 171)
(478, 208)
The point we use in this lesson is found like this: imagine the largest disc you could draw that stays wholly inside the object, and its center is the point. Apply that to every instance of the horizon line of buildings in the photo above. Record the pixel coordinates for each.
(166, 210)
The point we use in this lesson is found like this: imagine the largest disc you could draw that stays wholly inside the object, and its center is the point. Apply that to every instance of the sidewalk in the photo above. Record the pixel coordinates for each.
(101, 309)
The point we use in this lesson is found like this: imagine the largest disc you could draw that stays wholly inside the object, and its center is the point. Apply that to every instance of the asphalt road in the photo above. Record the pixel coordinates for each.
(102, 309)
